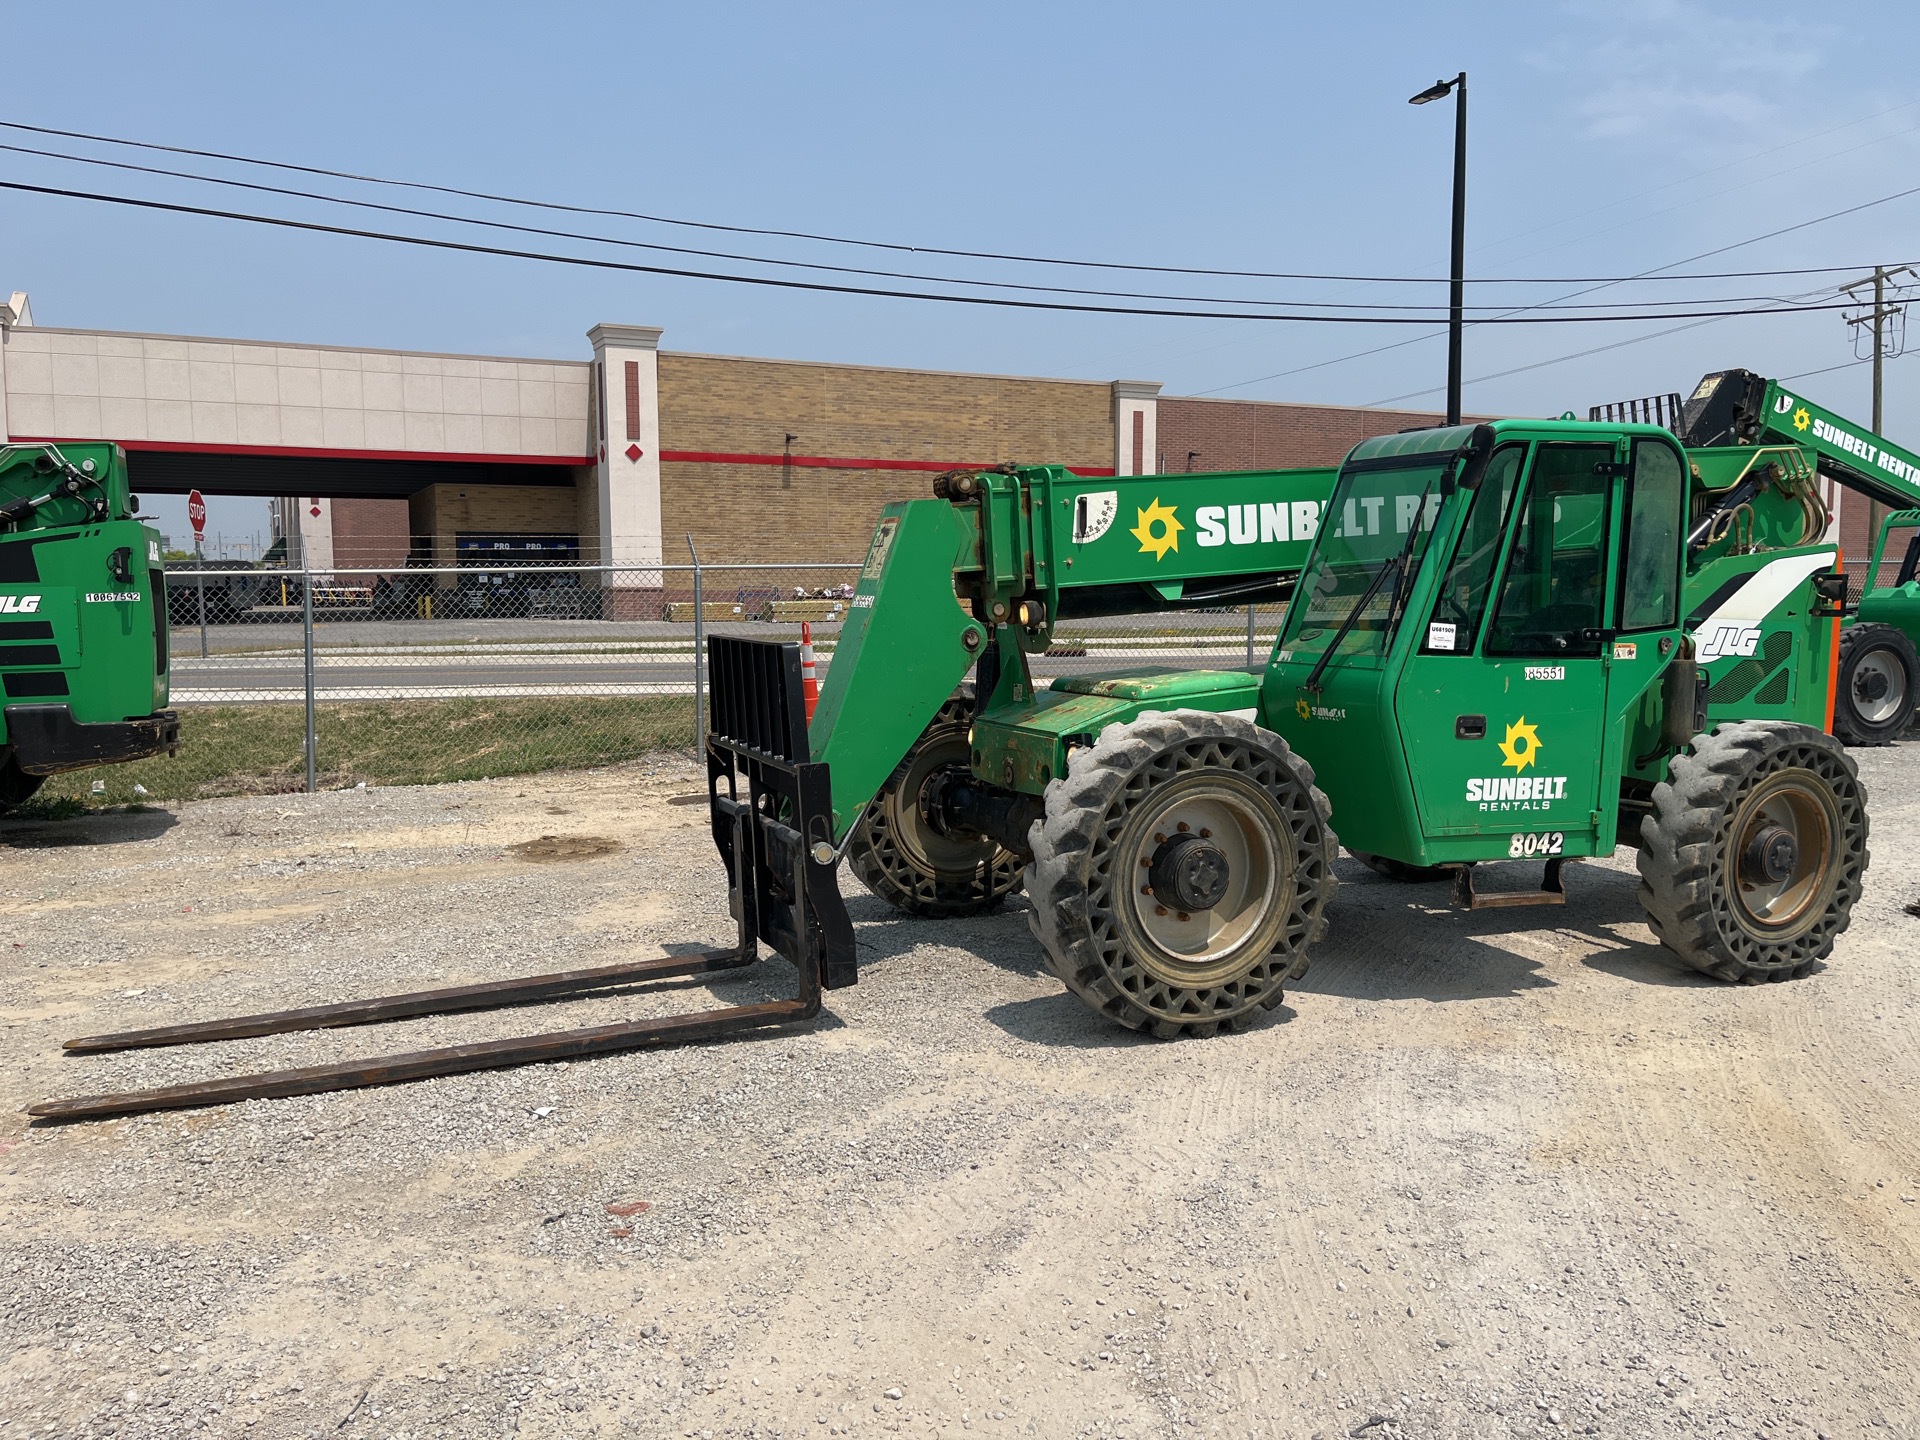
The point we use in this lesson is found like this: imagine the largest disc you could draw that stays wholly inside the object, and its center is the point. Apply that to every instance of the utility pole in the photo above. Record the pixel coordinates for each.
(1874, 326)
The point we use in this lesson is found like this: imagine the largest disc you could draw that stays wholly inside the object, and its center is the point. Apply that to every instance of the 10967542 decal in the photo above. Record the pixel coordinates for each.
(1550, 843)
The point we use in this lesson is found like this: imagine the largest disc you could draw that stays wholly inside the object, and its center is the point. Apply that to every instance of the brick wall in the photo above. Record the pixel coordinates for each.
(370, 533)
(772, 512)
(1262, 435)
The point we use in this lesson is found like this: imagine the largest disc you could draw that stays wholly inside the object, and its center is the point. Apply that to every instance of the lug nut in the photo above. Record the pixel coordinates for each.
(1206, 834)
(1158, 838)
(1159, 909)
(1146, 889)
(1183, 826)
(1183, 916)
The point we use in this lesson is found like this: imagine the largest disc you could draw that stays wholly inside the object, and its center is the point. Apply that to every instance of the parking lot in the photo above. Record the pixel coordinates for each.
(1508, 1173)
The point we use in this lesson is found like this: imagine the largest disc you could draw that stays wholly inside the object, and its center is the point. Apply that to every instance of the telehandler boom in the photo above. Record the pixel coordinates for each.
(1530, 640)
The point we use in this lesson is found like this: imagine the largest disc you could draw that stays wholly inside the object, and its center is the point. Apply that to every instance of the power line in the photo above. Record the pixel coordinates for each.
(493, 198)
(1557, 360)
(597, 239)
(589, 262)
(1509, 317)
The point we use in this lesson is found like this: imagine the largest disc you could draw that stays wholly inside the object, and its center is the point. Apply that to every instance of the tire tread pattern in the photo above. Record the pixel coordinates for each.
(1684, 843)
(1088, 807)
(875, 856)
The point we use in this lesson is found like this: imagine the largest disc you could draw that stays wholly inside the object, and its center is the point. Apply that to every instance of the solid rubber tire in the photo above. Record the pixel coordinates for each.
(1855, 645)
(891, 871)
(1685, 860)
(1086, 811)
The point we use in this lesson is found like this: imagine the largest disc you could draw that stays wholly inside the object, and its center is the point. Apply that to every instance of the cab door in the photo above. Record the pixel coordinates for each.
(1502, 711)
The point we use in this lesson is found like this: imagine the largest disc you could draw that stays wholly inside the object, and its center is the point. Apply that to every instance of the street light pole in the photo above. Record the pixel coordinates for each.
(1456, 290)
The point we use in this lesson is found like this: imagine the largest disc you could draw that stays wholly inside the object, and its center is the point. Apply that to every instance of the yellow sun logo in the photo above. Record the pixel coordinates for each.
(1522, 745)
(1303, 710)
(1161, 539)
(1801, 419)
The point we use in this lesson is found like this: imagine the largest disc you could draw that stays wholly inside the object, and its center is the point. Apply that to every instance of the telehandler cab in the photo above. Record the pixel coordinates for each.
(1530, 640)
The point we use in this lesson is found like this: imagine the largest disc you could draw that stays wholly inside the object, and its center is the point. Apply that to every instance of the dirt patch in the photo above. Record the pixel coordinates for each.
(553, 849)
(1500, 1174)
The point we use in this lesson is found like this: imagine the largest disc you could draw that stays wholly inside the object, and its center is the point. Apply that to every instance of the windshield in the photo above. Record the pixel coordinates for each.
(1373, 514)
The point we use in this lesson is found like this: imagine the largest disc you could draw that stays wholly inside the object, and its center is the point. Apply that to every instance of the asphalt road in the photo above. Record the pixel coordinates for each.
(641, 665)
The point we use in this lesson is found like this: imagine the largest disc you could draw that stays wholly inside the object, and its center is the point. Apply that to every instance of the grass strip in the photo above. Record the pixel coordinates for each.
(259, 749)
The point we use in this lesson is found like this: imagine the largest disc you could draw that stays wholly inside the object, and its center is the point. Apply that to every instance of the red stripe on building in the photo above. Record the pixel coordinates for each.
(306, 452)
(841, 462)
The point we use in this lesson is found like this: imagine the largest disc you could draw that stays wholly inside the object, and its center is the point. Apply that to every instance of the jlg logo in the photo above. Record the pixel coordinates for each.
(19, 604)
(1729, 640)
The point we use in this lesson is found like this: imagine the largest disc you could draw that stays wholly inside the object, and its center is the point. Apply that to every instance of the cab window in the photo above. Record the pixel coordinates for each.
(1650, 573)
(1464, 589)
(1553, 595)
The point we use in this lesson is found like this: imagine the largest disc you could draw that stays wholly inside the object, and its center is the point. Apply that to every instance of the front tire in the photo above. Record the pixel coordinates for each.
(1182, 872)
(16, 786)
(901, 858)
(1877, 683)
(1753, 857)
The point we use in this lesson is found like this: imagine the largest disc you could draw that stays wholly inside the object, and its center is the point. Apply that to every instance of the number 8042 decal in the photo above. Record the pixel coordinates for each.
(1551, 843)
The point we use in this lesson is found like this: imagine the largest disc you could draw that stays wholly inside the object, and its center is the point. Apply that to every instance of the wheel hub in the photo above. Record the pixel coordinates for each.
(1772, 856)
(1871, 685)
(1189, 873)
(1879, 686)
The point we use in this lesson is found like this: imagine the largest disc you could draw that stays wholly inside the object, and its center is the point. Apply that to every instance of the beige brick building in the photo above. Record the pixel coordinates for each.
(382, 458)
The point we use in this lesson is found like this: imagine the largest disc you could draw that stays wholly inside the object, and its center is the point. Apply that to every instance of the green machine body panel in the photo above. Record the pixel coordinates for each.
(83, 634)
(1024, 746)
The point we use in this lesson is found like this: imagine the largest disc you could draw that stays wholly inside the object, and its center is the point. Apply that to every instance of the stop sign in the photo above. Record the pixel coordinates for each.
(197, 515)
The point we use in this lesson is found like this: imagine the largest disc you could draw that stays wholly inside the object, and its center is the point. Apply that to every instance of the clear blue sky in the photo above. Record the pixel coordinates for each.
(1606, 139)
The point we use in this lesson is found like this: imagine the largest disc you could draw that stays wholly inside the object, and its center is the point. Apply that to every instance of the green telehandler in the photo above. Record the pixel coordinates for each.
(1524, 640)
(1878, 674)
(83, 618)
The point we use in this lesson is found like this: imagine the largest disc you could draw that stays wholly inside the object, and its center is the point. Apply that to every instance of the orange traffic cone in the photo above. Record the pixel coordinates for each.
(809, 678)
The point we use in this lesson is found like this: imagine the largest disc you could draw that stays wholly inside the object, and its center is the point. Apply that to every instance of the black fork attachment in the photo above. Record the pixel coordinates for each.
(773, 821)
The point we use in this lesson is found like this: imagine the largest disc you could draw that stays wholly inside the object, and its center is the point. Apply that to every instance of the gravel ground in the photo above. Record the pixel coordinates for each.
(1508, 1173)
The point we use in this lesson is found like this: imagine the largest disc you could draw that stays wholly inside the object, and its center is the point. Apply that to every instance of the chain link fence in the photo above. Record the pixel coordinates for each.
(289, 681)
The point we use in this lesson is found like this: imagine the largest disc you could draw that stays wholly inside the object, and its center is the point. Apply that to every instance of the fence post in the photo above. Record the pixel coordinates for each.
(306, 628)
(200, 588)
(1249, 637)
(699, 657)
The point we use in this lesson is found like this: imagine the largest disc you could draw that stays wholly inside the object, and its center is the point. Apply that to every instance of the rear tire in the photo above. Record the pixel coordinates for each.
(1753, 857)
(1877, 683)
(16, 786)
(904, 860)
(1116, 856)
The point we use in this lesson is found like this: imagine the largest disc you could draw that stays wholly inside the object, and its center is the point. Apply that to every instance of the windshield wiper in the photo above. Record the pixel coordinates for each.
(1400, 586)
(1398, 566)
